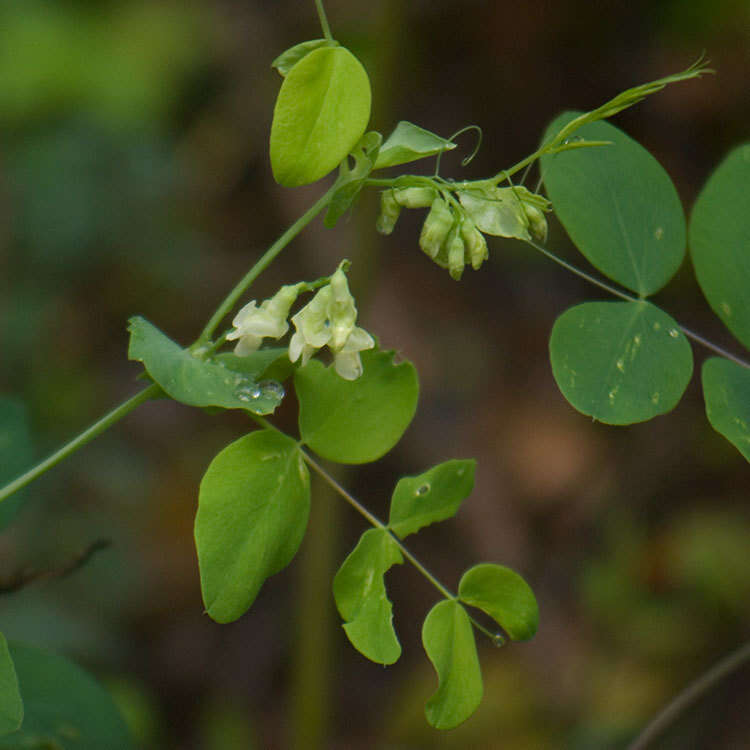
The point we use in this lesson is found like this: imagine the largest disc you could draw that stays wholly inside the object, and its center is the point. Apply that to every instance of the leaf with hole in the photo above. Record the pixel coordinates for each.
(64, 707)
(720, 242)
(15, 453)
(252, 513)
(11, 705)
(620, 362)
(198, 382)
(361, 598)
(430, 497)
(409, 142)
(356, 421)
(504, 596)
(448, 639)
(618, 205)
(321, 112)
(726, 389)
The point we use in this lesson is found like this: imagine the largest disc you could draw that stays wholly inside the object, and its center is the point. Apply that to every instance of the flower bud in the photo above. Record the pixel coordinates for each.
(436, 227)
(389, 213)
(537, 222)
(476, 245)
(456, 259)
(415, 197)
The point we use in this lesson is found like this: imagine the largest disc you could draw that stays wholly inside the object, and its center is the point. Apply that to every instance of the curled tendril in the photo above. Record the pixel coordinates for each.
(468, 159)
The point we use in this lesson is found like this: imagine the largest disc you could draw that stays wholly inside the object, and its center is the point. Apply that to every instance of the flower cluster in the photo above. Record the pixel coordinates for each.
(327, 320)
(452, 232)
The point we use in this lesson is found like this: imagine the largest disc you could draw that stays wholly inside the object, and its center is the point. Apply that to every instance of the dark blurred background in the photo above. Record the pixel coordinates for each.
(134, 179)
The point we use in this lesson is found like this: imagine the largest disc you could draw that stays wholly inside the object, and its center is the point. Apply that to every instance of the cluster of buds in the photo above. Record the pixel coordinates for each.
(452, 234)
(327, 320)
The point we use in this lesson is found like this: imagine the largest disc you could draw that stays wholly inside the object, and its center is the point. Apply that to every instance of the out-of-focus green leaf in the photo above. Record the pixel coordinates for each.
(11, 705)
(64, 707)
(15, 453)
(321, 112)
(252, 513)
(726, 389)
(409, 142)
(504, 596)
(197, 382)
(449, 642)
(356, 421)
(720, 242)
(620, 362)
(432, 496)
(618, 205)
(361, 598)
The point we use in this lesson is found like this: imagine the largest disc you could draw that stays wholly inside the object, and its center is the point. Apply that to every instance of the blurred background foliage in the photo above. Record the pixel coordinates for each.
(134, 179)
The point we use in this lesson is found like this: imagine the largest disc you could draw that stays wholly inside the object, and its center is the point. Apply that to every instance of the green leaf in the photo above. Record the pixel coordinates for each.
(356, 421)
(720, 242)
(64, 707)
(257, 364)
(359, 591)
(618, 205)
(321, 112)
(252, 513)
(409, 142)
(15, 453)
(289, 58)
(11, 705)
(432, 496)
(352, 180)
(620, 362)
(449, 642)
(726, 389)
(197, 382)
(504, 596)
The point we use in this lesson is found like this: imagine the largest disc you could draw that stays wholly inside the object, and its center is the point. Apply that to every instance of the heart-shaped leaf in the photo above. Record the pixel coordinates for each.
(726, 389)
(356, 421)
(504, 596)
(620, 362)
(430, 497)
(449, 642)
(720, 242)
(252, 513)
(197, 382)
(321, 112)
(361, 598)
(618, 205)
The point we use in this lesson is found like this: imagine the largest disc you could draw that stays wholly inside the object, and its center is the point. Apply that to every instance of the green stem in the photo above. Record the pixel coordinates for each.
(265, 260)
(323, 20)
(378, 524)
(630, 298)
(86, 436)
(690, 695)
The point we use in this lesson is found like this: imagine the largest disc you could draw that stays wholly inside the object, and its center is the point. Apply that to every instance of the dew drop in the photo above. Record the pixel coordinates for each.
(422, 490)
(498, 640)
(271, 389)
(621, 365)
(659, 233)
(637, 339)
(674, 333)
(248, 393)
(612, 394)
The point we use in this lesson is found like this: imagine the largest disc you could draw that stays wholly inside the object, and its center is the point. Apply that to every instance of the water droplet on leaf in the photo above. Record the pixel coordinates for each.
(674, 333)
(423, 490)
(498, 640)
(271, 389)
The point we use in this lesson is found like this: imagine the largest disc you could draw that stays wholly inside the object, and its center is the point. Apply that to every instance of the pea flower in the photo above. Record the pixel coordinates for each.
(328, 320)
(252, 323)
